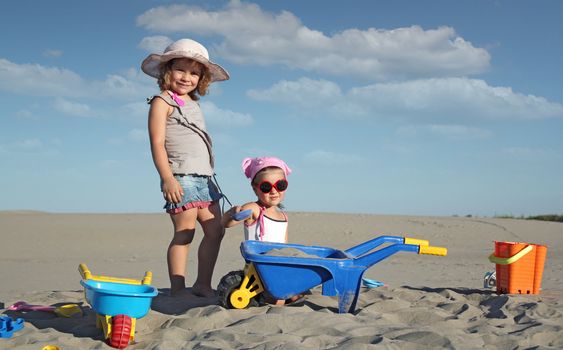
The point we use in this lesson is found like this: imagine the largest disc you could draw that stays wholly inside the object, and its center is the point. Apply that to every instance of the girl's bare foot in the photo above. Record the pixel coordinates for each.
(204, 292)
(179, 293)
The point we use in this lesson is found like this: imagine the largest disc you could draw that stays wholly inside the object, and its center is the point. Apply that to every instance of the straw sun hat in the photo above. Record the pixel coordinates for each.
(183, 48)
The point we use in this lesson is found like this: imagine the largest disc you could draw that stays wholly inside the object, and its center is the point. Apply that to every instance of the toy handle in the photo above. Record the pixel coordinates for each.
(242, 215)
(429, 250)
(415, 241)
(507, 261)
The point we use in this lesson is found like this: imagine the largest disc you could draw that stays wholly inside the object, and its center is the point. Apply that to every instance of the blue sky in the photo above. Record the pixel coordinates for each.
(387, 107)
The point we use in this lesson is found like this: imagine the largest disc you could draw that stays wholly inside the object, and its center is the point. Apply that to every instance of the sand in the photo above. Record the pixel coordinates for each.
(426, 302)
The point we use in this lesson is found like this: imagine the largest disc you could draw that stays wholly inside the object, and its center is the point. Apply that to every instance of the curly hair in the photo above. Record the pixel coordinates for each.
(202, 87)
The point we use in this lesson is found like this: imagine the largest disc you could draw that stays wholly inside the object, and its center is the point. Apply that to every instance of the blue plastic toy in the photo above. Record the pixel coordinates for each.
(339, 272)
(118, 302)
(8, 326)
(369, 283)
(109, 298)
(241, 215)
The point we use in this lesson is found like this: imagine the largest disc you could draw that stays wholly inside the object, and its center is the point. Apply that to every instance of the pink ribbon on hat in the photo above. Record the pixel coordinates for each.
(176, 98)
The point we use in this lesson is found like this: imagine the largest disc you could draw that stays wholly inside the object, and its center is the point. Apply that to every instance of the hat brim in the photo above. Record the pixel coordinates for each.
(151, 64)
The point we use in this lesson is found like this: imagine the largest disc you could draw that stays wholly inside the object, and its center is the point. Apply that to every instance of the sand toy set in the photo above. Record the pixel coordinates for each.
(118, 302)
(339, 271)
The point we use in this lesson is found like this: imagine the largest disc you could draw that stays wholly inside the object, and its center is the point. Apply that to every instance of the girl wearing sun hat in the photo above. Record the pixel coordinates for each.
(182, 153)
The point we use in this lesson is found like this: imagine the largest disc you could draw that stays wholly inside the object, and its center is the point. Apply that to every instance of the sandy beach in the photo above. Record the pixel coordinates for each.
(426, 301)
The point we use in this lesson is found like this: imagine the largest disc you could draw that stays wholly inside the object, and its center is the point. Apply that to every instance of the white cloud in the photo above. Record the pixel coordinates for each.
(456, 97)
(327, 158)
(253, 36)
(28, 144)
(72, 108)
(31, 147)
(529, 153)
(38, 80)
(138, 135)
(117, 86)
(53, 53)
(455, 132)
(459, 131)
(155, 43)
(25, 114)
(438, 101)
(223, 117)
(305, 92)
(135, 110)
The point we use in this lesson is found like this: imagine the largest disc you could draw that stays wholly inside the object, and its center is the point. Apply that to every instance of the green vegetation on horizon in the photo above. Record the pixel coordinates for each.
(544, 217)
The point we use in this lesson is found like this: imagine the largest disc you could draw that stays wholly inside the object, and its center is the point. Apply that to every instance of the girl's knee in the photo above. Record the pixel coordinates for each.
(183, 237)
(214, 230)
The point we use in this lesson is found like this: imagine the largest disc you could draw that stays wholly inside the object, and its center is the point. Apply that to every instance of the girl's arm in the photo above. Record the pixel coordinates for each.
(228, 220)
(158, 114)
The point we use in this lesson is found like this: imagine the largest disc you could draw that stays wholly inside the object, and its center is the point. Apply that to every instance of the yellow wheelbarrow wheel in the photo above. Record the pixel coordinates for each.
(239, 290)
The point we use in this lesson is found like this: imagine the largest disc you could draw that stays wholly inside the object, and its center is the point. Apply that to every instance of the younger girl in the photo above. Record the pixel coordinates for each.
(268, 178)
(266, 222)
(183, 156)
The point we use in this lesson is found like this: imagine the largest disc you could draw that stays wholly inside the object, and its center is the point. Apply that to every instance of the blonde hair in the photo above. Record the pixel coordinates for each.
(202, 87)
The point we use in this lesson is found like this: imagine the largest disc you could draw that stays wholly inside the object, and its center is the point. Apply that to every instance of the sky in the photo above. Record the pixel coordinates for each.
(386, 107)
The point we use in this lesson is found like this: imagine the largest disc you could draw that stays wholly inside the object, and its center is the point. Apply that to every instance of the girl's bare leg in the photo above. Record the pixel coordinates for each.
(210, 221)
(177, 255)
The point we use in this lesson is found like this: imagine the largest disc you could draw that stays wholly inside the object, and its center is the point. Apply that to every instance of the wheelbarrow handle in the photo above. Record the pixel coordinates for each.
(429, 250)
(415, 241)
(87, 275)
(365, 247)
(374, 257)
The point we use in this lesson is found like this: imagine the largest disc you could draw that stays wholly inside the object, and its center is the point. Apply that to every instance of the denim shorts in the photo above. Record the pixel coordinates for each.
(199, 192)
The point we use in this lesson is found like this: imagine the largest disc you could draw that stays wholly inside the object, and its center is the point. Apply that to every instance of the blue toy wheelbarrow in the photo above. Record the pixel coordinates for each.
(118, 302)
(339, 272)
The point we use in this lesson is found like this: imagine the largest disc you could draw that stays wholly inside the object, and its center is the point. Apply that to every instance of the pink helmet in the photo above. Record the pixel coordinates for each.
(251, 166)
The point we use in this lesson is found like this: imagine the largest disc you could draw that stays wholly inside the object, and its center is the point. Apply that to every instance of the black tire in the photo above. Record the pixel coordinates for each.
(227, 285)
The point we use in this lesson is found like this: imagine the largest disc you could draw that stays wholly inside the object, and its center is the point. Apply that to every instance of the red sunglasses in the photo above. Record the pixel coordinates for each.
(266, 186)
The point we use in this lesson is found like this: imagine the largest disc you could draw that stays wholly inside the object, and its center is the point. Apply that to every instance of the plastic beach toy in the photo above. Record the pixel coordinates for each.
(241, 215)
(369, 283)
(8, 326)
(67, 310)
(118, 302)
(490, 279)
(338, 271)
(519, 267)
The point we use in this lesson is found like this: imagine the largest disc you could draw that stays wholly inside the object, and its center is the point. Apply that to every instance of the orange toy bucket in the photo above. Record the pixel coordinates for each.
(519, 267)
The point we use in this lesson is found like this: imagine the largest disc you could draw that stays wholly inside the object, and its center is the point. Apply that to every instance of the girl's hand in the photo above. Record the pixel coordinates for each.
(172, 191)
(227, 219)
(233, 211)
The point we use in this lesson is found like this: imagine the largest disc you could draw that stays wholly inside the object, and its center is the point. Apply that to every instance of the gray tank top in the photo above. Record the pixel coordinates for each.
(187, 143)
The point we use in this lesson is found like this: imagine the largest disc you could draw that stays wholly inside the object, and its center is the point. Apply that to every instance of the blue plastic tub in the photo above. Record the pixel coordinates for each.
(109, 298)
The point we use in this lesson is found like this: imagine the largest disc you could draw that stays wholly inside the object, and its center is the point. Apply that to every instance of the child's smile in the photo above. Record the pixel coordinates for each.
(185, 76)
